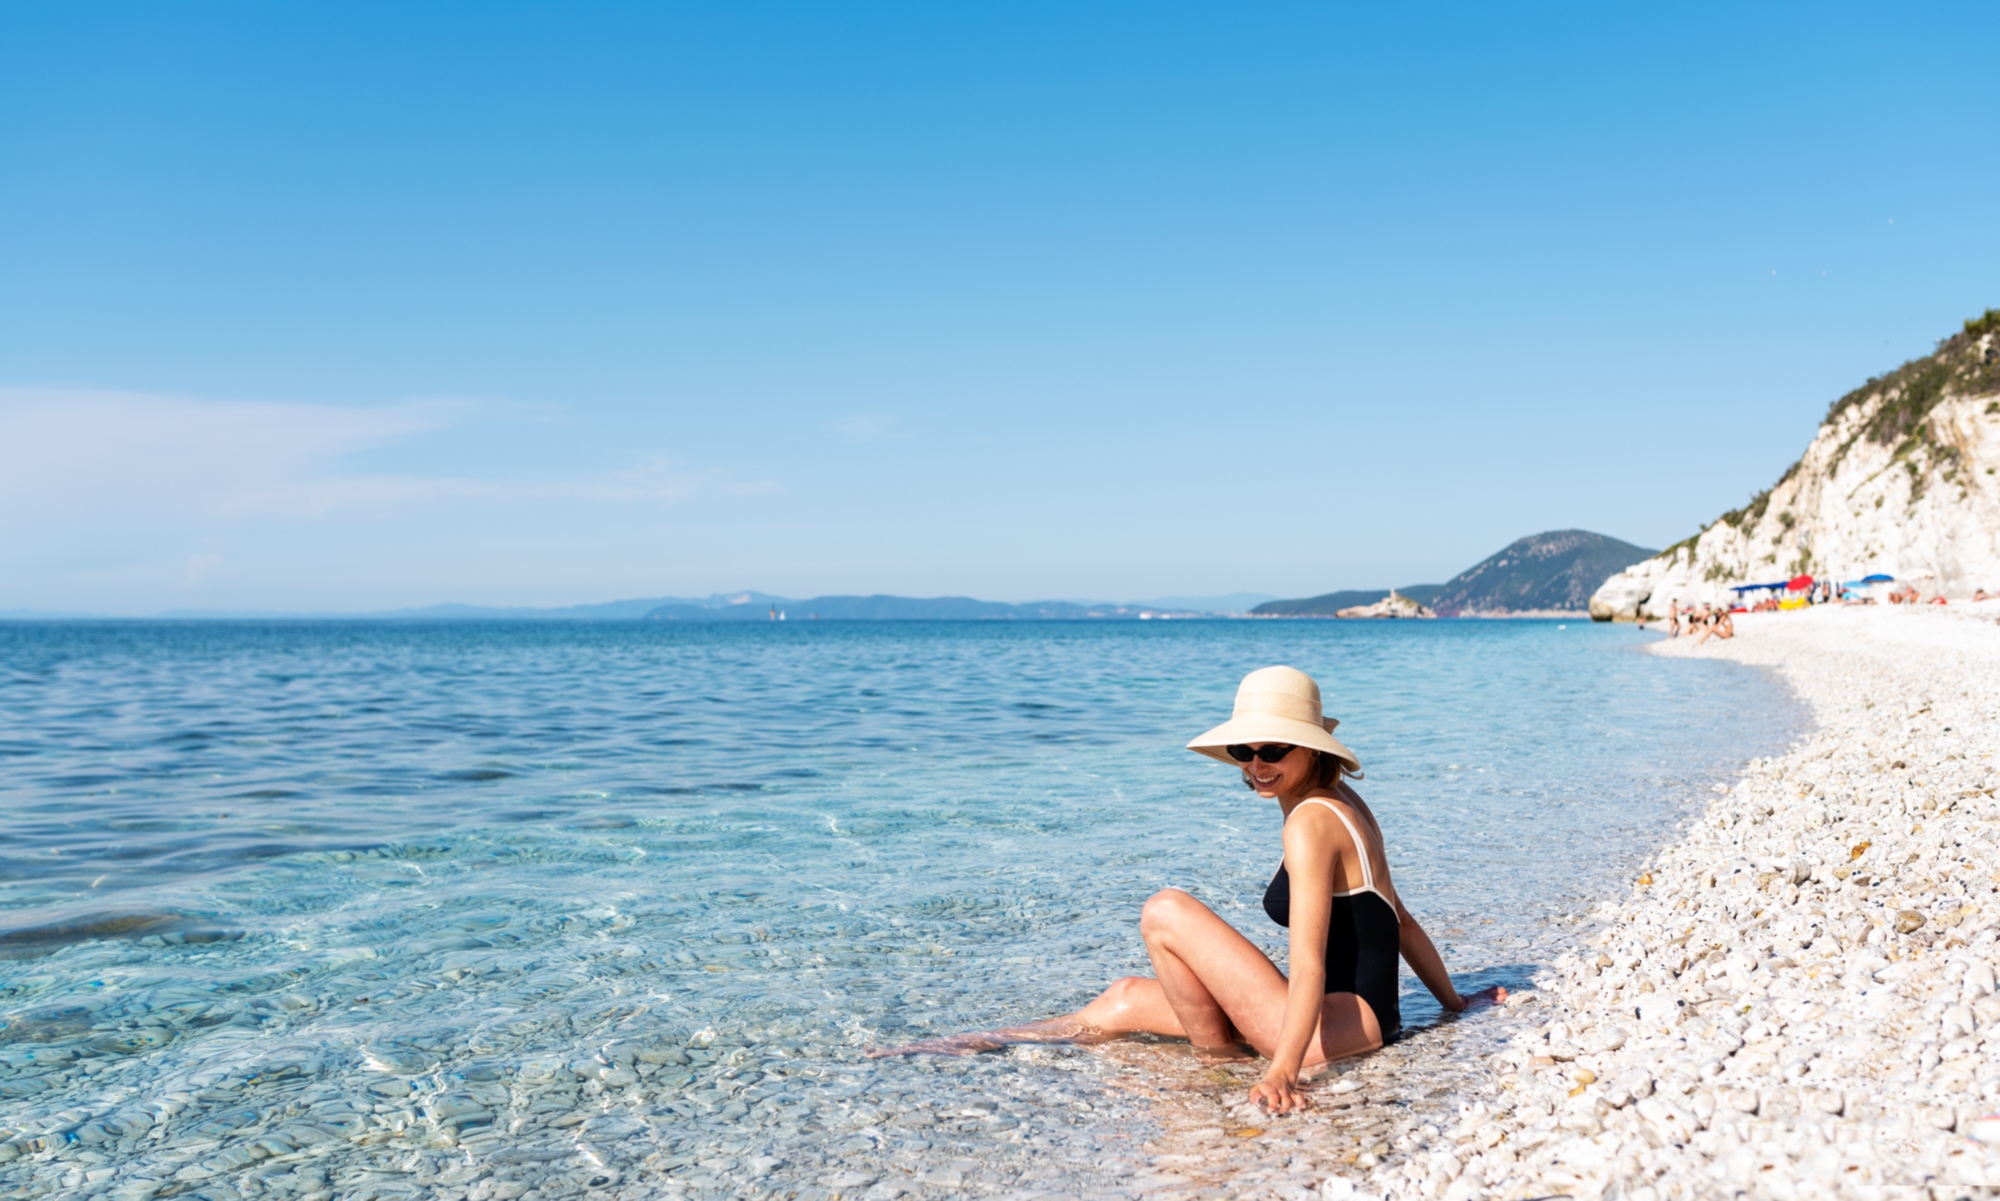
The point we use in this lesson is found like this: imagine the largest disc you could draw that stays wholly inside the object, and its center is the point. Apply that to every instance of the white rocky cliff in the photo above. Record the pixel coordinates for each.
(1903, 478)
(1392, 605)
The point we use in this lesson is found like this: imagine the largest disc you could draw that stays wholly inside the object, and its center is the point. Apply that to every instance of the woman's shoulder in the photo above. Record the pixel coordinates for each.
(1349, 803)
(1325, 808)
(1325, 829)
(1319, 825)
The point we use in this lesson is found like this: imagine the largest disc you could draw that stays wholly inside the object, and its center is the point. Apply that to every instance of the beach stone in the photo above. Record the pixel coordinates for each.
(847, 1179)
(1804, 983)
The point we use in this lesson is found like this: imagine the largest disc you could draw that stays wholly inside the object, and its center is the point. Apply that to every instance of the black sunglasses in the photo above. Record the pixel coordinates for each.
(1269, 753)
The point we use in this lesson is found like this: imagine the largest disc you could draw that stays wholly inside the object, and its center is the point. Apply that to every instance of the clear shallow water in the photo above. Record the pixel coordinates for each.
(574, 909)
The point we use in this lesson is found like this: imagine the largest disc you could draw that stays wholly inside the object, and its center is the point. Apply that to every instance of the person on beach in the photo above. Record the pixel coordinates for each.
(1717, 624)
(1213, 986)
(1674, 620)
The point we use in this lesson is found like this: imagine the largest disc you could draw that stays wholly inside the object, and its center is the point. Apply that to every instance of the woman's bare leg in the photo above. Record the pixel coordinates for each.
(1347, 1026)
(1223, 989)
(1214, 988)
(1132, 1005)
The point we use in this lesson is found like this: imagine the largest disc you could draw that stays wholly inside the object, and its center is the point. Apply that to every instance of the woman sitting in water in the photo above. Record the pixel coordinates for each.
(1211, 985)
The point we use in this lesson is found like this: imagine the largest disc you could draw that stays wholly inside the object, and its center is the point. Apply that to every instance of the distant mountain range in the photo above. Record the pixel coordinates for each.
(755, 606)
(1556, 571)
(746, 606)
(887, 608)
(1552, 572)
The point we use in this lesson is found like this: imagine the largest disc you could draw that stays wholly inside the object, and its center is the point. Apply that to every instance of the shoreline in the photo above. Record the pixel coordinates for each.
(1470, 615)
(1373, 1114)
(1795, 998)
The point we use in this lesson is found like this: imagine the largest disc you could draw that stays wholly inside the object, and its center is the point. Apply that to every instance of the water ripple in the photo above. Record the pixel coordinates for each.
(391, 909)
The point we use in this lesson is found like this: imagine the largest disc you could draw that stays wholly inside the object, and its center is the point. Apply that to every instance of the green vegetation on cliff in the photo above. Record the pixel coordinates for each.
(1965, 364)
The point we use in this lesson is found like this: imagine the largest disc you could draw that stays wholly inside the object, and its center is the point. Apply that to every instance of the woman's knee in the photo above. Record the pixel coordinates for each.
(1128, 989)
(1165, 909)
(1117, 1003)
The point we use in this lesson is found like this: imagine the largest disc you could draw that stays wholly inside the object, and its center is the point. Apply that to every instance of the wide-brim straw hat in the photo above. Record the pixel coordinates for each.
(1276, 704)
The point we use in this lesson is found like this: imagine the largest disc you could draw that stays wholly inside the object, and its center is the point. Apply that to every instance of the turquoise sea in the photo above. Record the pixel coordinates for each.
(565, 909)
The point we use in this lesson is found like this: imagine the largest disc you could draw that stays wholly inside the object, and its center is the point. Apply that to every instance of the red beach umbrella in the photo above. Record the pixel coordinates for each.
(1799, 583)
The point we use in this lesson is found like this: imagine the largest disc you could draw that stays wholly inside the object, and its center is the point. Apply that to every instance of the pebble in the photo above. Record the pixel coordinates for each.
(1798, 998)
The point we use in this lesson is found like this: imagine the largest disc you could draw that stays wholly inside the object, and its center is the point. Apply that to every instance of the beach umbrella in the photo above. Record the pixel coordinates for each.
(1878, 578)
(1799, 583)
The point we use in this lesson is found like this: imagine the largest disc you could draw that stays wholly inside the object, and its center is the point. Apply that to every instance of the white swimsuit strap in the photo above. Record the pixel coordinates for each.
(1360, 847)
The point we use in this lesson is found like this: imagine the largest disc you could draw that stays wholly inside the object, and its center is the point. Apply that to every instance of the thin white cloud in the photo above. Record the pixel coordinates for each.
(91, 450)
(870, 427)
(657, 478)
(94, 454)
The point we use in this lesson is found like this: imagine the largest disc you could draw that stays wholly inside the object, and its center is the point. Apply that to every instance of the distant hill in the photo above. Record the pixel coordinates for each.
(1557, 570)
(1235, 602)
(1334, 602)
(901, 608)
(1553, 571)
(624, 610)
(837, 608)
(743, 606)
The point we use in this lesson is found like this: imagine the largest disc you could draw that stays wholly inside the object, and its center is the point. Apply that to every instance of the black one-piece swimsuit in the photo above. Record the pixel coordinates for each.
(1363, 937)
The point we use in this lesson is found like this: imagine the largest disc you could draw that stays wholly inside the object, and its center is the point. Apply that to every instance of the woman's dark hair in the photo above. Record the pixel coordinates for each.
(1328, 766)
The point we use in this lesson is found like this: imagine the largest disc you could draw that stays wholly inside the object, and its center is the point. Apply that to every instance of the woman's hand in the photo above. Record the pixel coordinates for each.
(1496, 995)
(1279, 1092)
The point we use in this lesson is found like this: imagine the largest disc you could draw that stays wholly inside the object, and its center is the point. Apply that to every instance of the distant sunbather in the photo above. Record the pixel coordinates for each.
(1717, 624)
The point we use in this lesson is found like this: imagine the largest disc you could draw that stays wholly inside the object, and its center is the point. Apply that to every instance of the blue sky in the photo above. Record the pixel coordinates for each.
(352, 306)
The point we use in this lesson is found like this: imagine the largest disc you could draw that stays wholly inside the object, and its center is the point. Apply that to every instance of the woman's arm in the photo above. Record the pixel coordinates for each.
(1309, 862)
(1415, 945)
(1425, 961)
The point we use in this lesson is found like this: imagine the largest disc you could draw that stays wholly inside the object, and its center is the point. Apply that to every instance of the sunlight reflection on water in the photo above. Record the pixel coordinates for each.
(399, 909)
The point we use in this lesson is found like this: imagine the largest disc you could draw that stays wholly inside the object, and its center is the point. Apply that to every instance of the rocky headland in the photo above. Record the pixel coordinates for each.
(1903, 478)
(1392, 605)
(1797, 1000)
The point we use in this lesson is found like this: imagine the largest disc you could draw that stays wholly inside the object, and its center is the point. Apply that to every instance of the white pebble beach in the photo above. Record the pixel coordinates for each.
(1797, 999)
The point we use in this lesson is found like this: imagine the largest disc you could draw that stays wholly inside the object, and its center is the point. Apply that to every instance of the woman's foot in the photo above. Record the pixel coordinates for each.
(978, 1042)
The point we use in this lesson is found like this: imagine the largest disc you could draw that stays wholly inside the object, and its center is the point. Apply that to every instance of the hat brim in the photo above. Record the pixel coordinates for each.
(1261, 728)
